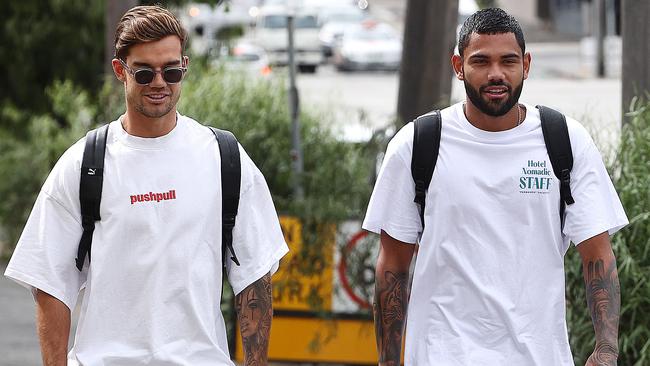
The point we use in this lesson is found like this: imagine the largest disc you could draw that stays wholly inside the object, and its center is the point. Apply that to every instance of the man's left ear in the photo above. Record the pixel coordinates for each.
(527, 61)
(185, 61)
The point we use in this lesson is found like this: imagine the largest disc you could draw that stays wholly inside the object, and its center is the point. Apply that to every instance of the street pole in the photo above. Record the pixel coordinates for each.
(294, 109)
(600, 30)
(636, 51)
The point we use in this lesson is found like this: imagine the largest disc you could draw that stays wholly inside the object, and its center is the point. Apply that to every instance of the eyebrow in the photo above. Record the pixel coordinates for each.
(144, 64)
(511, 55)
(485, 57)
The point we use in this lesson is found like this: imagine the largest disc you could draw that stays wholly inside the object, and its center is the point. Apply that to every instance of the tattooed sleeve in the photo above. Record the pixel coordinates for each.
(390, 314)
(604, 300)
(255, 310)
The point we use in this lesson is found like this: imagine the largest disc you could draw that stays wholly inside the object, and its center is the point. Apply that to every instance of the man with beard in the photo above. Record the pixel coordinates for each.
(488, 282)
(153, 289)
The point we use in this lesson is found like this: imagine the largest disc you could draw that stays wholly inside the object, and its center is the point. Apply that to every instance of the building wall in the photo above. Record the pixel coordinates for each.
(524, 10)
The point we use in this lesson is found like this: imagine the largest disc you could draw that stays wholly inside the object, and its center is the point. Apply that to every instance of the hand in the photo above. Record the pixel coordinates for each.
(602, 357)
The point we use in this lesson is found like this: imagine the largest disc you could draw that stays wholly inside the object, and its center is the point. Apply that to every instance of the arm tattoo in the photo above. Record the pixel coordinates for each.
(390, 313)
(254, 307)
(604, 300)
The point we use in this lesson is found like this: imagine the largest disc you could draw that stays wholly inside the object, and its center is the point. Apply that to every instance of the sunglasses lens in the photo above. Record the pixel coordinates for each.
(173, 75)
(144, 76)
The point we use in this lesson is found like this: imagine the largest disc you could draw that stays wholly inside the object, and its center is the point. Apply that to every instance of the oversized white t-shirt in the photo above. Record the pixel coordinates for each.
(153, 288)
(488, 285)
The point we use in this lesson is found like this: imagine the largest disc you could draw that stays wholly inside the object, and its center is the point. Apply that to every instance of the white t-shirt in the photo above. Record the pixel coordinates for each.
(153, 288)
(488, 286)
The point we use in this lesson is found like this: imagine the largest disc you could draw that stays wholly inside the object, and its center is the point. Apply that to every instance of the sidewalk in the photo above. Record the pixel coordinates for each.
(18, 341)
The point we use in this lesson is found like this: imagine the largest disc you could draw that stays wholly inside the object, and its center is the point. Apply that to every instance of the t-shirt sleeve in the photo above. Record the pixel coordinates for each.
(597, 207)
(45, 254)
(391, 207)
(258, 241)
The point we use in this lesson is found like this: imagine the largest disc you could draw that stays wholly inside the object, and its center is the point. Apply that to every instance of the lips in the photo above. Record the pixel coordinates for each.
(495, 91)
(156, 97)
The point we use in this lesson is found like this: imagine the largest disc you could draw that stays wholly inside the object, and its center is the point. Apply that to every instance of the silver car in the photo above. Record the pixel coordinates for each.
(368, 46)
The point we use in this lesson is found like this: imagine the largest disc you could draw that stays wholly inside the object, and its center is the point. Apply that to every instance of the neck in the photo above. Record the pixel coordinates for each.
(485, 122)
(135, 124)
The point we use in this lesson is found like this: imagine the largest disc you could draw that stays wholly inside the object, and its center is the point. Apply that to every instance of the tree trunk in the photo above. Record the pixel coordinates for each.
(114, 11)
(426, 72)
(636, 51)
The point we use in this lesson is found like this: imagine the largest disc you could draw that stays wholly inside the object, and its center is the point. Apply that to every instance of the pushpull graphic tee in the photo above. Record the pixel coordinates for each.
(153, 286)
(488, 286)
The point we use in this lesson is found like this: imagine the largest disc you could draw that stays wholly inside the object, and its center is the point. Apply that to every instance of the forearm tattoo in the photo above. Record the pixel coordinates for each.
(390, 313)
(604, 300)
(255, 310)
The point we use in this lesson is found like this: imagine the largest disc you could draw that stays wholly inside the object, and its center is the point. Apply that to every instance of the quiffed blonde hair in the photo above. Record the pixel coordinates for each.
(144, 24)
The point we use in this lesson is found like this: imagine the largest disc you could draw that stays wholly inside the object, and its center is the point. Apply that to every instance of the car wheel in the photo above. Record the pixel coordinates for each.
(308, 69)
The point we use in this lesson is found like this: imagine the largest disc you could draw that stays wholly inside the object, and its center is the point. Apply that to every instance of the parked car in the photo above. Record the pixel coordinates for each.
(245, 57)
(271, 34)
(368, 46)
(334, 20)
(205, 22)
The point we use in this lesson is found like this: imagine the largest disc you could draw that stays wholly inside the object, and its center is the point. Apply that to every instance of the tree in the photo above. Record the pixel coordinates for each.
(636, 51)
(114, 11)
(43, 41)
(426, 73)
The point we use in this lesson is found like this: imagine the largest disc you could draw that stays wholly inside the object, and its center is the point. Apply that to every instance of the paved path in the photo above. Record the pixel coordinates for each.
(18, 343)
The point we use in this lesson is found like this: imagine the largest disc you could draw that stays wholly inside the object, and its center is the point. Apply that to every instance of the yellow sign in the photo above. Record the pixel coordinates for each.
(304, 279)
(303, 291)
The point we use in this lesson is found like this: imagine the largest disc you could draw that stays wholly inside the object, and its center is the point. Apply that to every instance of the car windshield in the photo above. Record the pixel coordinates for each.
(342, 16)
(245, 57)
(280, 21)
(369, 34)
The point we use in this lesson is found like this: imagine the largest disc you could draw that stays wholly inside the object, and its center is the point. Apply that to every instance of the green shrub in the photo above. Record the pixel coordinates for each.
(27, 155)
(631, 175)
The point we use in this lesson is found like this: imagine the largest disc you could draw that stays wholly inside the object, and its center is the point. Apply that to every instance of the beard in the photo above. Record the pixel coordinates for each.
(493, 108)
(157, 111)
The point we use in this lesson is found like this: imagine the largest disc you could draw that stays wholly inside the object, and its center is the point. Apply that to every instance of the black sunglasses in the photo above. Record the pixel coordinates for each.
(144, 76)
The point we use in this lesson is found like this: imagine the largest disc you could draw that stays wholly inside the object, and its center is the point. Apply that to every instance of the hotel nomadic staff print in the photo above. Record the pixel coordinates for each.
(488, 281)
(152, 290)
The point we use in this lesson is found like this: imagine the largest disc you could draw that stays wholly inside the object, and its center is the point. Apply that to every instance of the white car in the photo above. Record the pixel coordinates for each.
(245, 57)
(271, 34)
(368, 46)
(334, 20)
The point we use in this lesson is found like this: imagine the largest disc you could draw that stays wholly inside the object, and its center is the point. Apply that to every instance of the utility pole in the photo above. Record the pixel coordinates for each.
(600, 30)
(294, 109)
(426, 72)
(636, 51)
(114, 11)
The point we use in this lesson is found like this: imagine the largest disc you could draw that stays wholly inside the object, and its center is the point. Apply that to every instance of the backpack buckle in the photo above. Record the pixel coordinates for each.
(420, 192)
(228, 221)
(565, 187)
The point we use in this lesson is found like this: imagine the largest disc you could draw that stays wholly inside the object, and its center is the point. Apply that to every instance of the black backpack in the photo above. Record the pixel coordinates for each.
(92, 176)
(426, 144)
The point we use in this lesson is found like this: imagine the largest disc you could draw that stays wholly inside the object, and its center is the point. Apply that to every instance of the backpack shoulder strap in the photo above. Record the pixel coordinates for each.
(230, 187)
(426, 144)
(558, 146)
(90, 189)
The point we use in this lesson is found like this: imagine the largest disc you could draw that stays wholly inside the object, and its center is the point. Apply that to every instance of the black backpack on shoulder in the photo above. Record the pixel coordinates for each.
(92, 177)
(426, 144)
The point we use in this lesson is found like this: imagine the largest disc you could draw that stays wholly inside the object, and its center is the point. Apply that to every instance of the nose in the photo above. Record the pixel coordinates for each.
(495, 73)
(158, 81)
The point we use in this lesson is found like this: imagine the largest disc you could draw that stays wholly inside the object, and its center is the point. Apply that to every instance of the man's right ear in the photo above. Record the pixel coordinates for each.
(457, 64)
(118, 70)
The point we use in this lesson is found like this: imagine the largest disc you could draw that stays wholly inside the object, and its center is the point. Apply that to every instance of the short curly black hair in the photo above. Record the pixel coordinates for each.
(490, 21)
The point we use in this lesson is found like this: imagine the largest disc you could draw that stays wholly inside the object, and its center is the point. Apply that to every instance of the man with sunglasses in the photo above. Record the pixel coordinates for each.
(153, 289)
